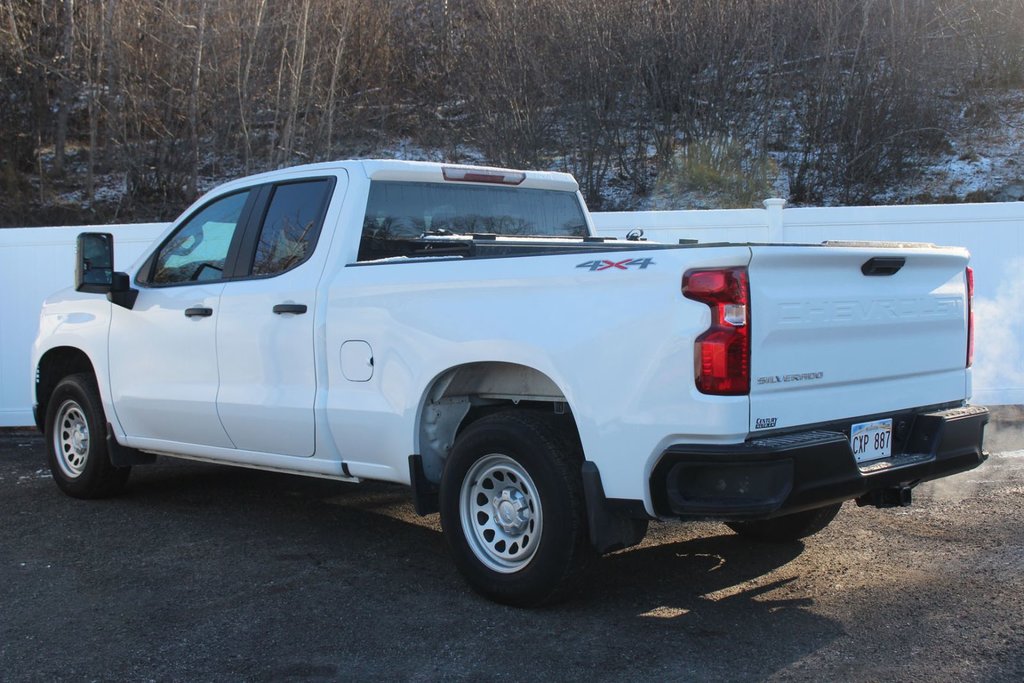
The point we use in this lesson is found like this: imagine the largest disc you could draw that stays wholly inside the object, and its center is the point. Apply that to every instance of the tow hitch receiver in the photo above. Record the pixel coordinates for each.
(893, 497)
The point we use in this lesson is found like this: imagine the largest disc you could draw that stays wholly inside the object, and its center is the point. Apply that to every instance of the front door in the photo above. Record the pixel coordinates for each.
(164, 374)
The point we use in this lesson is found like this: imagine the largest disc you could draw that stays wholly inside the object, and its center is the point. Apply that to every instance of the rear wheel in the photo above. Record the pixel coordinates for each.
(76, 435)
(788, 527)
(512, 509)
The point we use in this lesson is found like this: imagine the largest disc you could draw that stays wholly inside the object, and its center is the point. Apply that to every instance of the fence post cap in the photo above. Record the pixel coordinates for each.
(773, 202)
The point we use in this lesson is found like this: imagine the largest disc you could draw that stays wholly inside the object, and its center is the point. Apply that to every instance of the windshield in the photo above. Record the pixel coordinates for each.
(399, 211)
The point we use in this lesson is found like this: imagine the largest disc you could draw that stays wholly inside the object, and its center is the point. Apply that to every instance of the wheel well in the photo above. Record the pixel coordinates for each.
(464, 394)
(55, 365)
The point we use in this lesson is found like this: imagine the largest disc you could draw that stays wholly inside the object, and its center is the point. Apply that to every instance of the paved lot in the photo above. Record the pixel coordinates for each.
(202, 572)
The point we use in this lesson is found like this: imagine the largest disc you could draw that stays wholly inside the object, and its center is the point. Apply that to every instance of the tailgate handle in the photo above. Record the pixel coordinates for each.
(883, 265)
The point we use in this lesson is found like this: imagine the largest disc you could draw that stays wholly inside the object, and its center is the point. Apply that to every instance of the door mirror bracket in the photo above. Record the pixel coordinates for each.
(121, 292)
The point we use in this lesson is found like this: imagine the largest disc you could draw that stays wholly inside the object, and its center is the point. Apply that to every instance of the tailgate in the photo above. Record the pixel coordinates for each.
(830, 342)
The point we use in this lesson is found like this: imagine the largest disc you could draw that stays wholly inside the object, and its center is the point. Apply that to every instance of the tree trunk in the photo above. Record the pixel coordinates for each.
(64, 90)
(110, 75)
(332, 89)
(193, 102)
(295, 88)
(249, 40)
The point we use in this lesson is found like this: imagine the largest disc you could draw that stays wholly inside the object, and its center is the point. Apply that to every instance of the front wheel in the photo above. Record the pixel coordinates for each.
(512, 509)
(76, 441)
(788, 527)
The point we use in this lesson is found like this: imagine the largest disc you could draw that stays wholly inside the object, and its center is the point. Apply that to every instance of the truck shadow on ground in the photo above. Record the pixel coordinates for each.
(231, 564)
(677, 561)
(719, 590)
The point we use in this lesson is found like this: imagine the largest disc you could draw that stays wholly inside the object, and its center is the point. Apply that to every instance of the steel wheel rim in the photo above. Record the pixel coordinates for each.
(501, 513)
(71, 439)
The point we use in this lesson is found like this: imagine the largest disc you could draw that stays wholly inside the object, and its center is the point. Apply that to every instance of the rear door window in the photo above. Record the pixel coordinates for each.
(290, 226)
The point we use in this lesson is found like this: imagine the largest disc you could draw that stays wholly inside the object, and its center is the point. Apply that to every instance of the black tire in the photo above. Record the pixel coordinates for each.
(788, 527)
(76, 441)
(513, 511)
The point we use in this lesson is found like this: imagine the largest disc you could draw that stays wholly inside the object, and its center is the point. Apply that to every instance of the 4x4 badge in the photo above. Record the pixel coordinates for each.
(626, 264)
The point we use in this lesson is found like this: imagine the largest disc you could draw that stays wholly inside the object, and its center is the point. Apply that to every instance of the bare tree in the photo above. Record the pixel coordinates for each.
(65, 64)
(297, 72)
(193, 100)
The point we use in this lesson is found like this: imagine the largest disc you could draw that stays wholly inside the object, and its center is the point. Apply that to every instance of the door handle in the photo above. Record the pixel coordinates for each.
(298, 309)
(198, 312)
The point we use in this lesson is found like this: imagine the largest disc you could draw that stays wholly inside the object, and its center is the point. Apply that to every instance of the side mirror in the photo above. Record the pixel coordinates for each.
(94, 270)
(94, 262)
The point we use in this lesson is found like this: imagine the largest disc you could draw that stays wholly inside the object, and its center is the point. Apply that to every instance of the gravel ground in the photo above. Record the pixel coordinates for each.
(200, 572)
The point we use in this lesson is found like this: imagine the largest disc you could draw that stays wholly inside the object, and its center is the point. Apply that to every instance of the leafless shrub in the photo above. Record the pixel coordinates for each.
(718, 167)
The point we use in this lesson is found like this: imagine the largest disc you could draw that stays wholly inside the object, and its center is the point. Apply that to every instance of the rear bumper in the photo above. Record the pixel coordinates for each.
(776, 475)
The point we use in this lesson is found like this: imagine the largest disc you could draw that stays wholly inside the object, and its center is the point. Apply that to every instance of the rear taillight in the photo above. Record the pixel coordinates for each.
(722, 353)
(970, 316)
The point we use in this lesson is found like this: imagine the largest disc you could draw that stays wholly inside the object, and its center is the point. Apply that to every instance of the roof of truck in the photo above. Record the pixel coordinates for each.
(414, 171)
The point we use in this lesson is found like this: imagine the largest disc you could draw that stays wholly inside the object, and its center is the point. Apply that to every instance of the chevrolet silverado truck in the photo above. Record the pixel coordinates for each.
(461, 331)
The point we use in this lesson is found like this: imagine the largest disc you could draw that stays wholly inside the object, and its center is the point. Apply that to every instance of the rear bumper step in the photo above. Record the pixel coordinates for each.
(777, 475)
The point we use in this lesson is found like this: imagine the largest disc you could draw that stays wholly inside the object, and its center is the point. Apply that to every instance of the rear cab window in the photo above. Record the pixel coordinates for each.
(403, 216)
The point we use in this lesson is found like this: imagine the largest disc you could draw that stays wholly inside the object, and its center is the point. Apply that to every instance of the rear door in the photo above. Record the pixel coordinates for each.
(266, 326)
(847, 331)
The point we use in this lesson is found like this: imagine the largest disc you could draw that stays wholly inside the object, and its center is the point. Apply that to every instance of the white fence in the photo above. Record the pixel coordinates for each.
(34, 262)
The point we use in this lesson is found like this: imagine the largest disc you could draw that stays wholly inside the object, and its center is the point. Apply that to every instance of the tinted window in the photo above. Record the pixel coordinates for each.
(402, 211)
(197, 250)
(290, 227)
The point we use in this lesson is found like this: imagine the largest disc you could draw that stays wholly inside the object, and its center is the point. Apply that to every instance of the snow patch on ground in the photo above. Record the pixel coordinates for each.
(967, 175)
(408, 150)
(109, 188)
(986, 155)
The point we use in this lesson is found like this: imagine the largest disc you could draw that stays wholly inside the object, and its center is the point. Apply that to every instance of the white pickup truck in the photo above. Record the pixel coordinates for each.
(461, 331)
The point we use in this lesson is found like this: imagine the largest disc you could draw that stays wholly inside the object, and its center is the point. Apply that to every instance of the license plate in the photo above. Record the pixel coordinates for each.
(871, 440)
